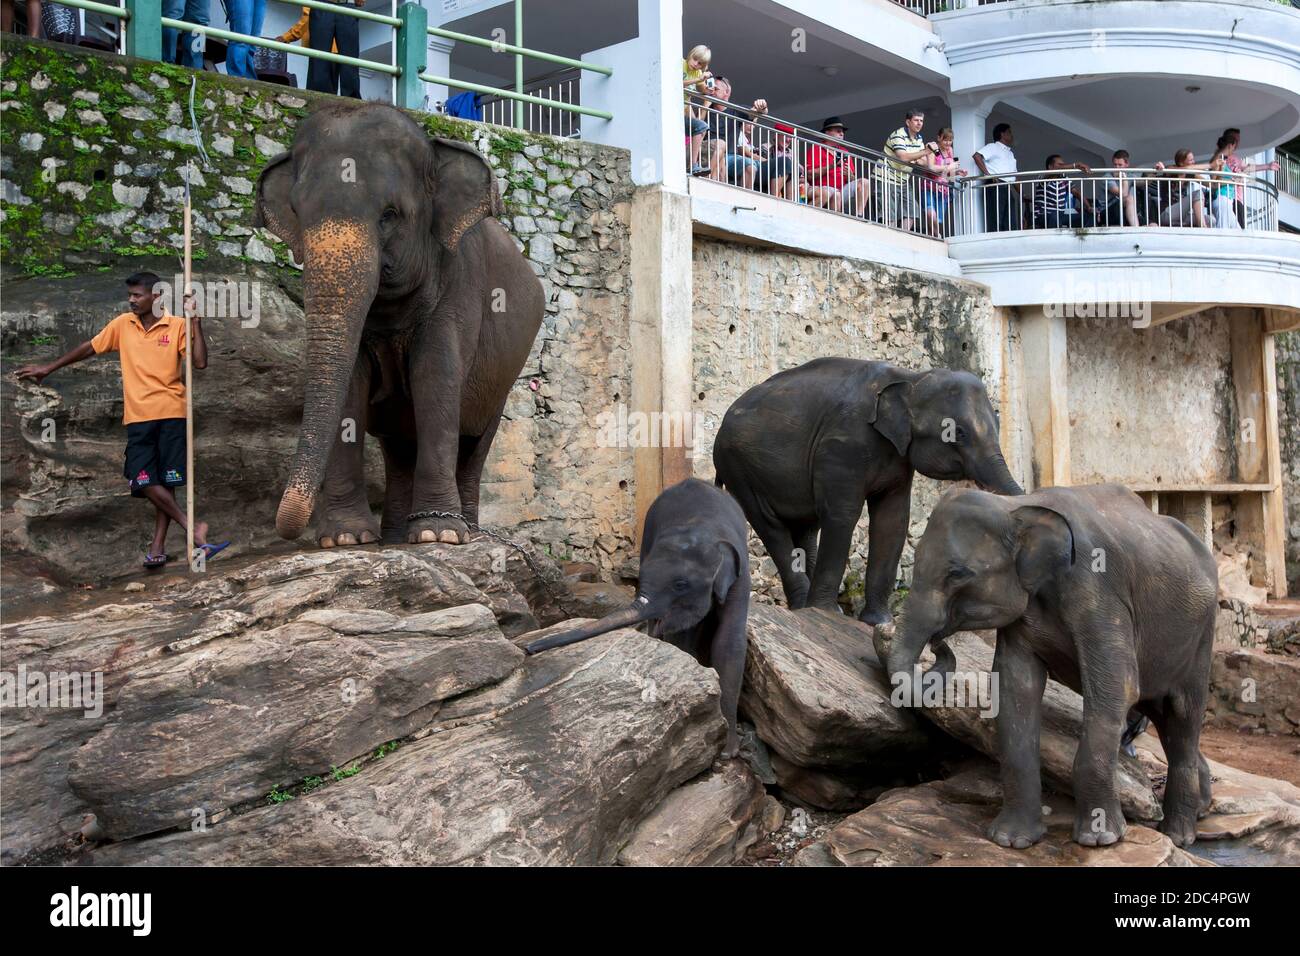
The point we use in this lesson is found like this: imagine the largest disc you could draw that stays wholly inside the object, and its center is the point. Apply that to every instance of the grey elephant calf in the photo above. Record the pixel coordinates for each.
(694, 585)
(1089, 585)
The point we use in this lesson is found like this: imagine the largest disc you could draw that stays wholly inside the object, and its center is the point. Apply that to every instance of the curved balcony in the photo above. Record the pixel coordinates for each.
(1174, 240)
(1115, 68)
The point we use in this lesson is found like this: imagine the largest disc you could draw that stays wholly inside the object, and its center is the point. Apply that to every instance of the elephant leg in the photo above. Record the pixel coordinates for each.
(1109, 684)
(727, 656)
(1022, 678)
(1186, 783)
(806, 540)
(469, 467)
(345, 515)
(436, 380)
(888, 515)
(832, 556)
(399, 474)
(777, 538)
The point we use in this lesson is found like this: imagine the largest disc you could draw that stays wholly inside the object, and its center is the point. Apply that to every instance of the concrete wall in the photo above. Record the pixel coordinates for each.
(758, 311)
(1147, 405)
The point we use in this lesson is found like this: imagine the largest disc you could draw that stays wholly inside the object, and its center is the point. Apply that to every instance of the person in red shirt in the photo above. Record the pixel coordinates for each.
(152, 347)
(836, 178)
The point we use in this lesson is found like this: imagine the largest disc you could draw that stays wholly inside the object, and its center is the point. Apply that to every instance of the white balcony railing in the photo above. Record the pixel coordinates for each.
(1071, 199)
(1288, 173)
(786, 161)
(563, 87)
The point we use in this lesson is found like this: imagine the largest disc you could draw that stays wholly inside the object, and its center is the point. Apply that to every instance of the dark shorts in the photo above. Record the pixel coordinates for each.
(155, 454)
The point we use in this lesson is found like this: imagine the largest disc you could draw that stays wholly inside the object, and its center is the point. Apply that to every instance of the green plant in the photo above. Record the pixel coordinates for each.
(342, 773)
(278, 796)
(384, 750)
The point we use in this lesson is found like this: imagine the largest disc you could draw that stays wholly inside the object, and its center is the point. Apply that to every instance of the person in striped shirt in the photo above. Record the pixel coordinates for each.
(1056, 200)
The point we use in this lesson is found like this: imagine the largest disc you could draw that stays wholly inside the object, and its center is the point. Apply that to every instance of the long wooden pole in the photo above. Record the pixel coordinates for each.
(189, 388)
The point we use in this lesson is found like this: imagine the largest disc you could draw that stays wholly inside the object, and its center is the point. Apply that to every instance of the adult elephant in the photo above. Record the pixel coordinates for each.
(803, 451)
(420, 314)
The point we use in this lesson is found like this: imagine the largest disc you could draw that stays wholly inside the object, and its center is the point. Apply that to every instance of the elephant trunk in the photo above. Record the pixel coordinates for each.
(992, 474)
(632, 615)
(340, 278)
(900, 649)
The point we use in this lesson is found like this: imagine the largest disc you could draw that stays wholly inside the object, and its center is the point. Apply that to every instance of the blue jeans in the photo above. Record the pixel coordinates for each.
(245, 17)
(191, 11)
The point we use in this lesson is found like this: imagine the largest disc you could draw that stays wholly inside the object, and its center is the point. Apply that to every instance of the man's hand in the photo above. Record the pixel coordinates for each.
(1160, 167)
(760, 106)
(190, 306)
(34, 372)
(1083, 168)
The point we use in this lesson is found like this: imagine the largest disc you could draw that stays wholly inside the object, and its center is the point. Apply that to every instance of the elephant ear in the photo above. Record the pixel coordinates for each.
(1044, 545)
(728, 571)
(273, 210)
(464, 191)
(888, 410)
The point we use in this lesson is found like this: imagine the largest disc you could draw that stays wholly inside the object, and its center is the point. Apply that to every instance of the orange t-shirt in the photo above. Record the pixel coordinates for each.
(151, 365)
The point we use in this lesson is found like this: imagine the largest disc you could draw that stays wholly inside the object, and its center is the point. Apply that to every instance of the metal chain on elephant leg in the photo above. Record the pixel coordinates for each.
(495, 535)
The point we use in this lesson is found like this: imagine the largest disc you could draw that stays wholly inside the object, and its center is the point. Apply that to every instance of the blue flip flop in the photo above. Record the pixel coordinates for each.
(211, 550)
(152, 561)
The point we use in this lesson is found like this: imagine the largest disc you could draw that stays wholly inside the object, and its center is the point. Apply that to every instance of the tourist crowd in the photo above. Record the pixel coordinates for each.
(316, 29)
(910, 182)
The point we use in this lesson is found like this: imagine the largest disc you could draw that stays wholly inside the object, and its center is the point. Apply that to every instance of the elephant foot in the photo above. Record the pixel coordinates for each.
(1180, 828)
(875, 618)
(1016, 830)
(444, 530)
(338, 530)
(732, 748)
(1100, 827)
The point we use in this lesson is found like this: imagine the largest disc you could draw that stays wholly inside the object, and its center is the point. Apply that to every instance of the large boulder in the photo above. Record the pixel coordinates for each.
(115, 641)
(1061, 728)
(818, 697)
(236, 717)
(555, 764)
(710, 821)
(943, 823)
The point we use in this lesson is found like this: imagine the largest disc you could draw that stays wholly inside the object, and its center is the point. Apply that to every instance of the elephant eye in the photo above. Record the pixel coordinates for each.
(681, 585)
(959, 573)
(389, 216)
(961, 434)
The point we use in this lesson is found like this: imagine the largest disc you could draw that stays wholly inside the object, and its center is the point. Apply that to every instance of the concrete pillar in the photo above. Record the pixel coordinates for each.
(969, 125)
(645, 96)
(1261, 516)
(661, 340)
(1047, 396)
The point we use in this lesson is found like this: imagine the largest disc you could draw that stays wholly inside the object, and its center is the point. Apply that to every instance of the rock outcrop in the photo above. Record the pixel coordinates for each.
(943, 823)
(553, 765)
(711, 821)
(819, 699)
(229, 721)
(122, 640)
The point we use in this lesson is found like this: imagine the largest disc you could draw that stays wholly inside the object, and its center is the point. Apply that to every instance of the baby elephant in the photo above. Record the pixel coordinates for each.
(1089, 585)
(694, 586)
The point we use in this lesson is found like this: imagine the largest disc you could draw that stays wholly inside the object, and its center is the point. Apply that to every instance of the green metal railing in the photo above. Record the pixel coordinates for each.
(144, 24)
